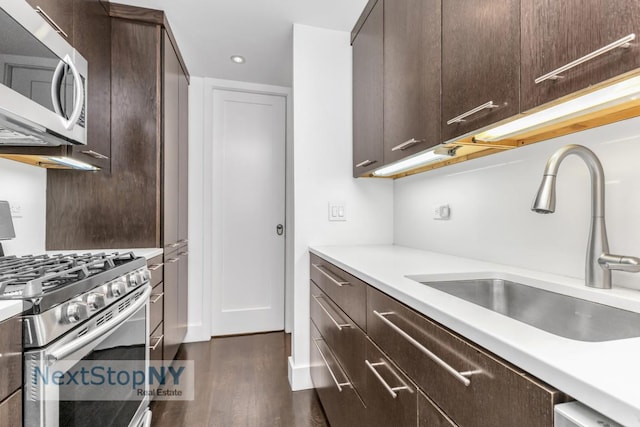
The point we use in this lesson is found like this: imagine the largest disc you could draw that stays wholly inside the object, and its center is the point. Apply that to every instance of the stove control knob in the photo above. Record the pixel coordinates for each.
(95, 301)
(75, 312)
(146, 274)
(134, 280)
(116, 289)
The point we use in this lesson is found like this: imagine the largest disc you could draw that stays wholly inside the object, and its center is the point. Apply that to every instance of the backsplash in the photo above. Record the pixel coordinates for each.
(24, 187)
(490, 200)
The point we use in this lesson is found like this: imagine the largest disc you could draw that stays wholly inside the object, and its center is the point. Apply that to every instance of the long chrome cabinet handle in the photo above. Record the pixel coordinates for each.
(460, 376)
(461, 118)
(337, 282)
(335, 322)
(392, 390)
(407, 144)
(158, 341)
(365, 163)
(338, 384)
(95, 154)
(156, 298)
(154, 267)
(51, 21)
(623, 43)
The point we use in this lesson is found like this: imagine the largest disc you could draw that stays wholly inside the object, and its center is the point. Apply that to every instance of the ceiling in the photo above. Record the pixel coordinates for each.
(209, 32)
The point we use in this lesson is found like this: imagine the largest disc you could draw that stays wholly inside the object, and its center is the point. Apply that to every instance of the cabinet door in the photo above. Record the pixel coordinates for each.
(412, 43)
(555, 33)
(172, 338)
(368, 73)
(58, 13)
(480, 63)
(183, 155)
(92, 38)
(429, 415)
(183, 292)
(11, 410)
(171, 145)
(390, 396)
(10, 356)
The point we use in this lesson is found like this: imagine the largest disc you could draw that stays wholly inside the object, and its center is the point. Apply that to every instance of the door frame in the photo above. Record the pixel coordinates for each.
(207, 197)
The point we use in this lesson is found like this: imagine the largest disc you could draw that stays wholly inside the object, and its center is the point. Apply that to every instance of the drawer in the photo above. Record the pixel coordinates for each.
(429, 415)
(11, 410)
(10, 356)
(341, 403)
(345, 339)
(155, 268)
(156, 302)
(390, 396)
(473, 387)
(156, 343)
(347, 291)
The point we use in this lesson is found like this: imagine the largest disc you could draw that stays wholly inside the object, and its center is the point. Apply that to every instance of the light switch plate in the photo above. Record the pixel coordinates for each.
(337, 212)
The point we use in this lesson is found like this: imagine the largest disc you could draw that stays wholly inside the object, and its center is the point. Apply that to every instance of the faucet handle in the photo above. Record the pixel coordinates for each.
(619, 262)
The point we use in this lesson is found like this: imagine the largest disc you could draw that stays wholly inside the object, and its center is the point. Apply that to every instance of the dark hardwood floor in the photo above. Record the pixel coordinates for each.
(241, 381)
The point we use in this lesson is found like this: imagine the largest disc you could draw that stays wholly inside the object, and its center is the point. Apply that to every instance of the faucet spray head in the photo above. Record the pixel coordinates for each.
(545, 201)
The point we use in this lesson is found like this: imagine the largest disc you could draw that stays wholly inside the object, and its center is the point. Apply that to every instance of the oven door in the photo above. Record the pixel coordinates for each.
(57, 393)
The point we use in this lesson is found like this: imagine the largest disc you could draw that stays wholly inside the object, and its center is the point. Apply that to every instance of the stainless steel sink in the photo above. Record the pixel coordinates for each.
(558, 314)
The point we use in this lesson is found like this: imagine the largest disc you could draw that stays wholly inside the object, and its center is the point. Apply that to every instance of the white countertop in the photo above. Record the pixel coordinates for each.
(9, 309)
(602, 375)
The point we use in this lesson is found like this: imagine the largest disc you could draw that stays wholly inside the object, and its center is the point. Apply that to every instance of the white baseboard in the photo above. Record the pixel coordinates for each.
(299, 377)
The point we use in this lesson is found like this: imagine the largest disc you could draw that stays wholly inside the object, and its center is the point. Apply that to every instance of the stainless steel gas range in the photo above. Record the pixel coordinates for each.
(82, 313)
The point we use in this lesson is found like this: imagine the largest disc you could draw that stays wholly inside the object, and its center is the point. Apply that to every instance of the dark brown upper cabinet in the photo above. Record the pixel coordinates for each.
(368, 89)
(556, 33)
(412, 45)
(480, 63)
(58, 13)
(92, 38)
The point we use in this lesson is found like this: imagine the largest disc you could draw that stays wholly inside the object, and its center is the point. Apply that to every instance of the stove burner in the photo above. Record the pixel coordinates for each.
(31, 276)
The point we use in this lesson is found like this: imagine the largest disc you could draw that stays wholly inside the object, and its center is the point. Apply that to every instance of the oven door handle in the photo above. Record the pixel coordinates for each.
(77, 344)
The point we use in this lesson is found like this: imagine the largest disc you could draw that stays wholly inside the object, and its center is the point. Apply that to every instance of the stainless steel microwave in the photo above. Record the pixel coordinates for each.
(43, 81)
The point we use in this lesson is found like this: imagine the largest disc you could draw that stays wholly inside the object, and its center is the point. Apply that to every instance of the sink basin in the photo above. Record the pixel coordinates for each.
(558, 314)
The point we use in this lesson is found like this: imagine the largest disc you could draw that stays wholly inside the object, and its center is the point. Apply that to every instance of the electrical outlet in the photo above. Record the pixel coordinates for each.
(337, 212)
(442, 212)
(16, 211)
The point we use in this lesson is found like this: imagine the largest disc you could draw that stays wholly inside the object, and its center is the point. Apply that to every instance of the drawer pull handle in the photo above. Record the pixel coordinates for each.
(154, 267)
(157, 297)
(460, 376)
(407, 144)
(95, 154)
(158, 341)
(365, 163)
(51, 22)
(461, 118)
(339, 385)
(173, 260)
(335, 322)
(337, 282)
(623, 43)
(392, 390)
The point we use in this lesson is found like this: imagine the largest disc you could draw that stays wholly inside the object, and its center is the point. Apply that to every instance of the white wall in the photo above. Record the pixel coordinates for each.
(322, 172)
(25, 186)
(490, 200)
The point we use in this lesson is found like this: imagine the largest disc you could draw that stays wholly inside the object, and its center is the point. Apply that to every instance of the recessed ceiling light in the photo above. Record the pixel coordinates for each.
(238, 59)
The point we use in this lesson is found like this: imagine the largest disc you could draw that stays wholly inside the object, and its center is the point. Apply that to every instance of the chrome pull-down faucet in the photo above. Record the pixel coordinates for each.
(599, 262)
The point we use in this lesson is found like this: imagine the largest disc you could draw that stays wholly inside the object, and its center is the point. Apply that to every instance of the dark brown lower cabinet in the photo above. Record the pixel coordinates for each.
(390, 396)
(429, 415)
(341, 403)
(408, 370)
(11, 372)
(11, 410)
(172, 339)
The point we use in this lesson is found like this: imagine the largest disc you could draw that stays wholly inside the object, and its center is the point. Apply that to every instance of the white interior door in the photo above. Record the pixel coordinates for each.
(249, 133)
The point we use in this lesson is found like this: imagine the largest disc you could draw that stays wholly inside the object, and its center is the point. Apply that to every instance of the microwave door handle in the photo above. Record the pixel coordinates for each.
(56, 84)
(77, 344)
(79, 96)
